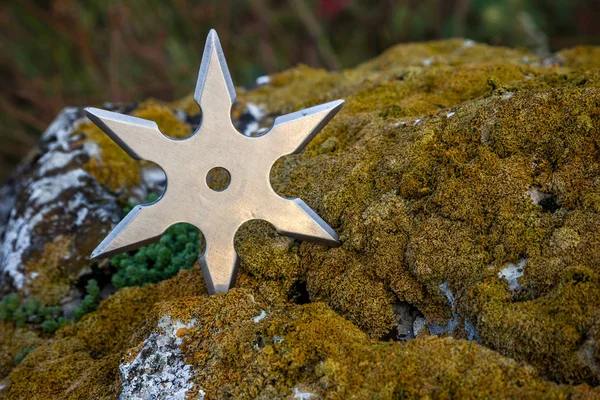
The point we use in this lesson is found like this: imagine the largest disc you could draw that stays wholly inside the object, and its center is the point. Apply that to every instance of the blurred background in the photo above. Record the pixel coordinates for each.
(63, 52)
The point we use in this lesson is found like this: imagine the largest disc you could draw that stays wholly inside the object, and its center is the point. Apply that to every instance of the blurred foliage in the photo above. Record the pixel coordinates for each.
(63, 52)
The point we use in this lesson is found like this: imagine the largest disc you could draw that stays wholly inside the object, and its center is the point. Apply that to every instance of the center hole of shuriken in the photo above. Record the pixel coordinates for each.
(218, 179)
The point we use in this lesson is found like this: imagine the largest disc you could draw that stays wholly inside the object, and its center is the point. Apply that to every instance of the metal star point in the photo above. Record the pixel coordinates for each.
(216, 143)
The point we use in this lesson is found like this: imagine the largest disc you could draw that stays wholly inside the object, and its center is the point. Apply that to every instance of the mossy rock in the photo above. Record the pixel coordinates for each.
(464, 181)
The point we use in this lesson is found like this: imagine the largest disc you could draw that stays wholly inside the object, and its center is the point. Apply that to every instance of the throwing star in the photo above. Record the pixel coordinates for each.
(215, 144)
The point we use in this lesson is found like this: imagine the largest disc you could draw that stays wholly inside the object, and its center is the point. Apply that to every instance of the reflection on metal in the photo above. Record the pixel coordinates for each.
(216, 143)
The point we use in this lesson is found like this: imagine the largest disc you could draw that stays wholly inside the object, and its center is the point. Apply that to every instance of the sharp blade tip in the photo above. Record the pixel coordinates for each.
(337, 104)
(332, 239)
(213, 38)
(95, 255)
(91, 111)
(101, 251)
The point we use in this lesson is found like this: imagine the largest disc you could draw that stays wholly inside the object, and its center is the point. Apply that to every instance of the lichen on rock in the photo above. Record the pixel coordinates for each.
(59, 212)
(464, 181)
(158, 370)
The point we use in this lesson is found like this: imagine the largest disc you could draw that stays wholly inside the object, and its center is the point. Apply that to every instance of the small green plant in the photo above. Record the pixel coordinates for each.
(177, 249)
(19, 357)
(90, 301)
(48, 318)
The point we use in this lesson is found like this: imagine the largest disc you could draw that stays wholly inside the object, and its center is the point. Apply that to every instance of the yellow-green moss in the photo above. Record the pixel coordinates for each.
(82, 361)
(584, 57)
(115, 169)
(445, 52)
(51, 282)
(427, 176)
(308, 347)
(445, 198)
(313, 349)
(553, 327)
(12, 343)
(167, 121)
(269, 257)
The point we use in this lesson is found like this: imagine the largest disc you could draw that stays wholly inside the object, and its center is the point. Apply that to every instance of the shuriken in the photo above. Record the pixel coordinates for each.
(216, 143)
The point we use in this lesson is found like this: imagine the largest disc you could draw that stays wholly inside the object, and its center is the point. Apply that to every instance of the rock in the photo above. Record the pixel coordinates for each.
(448, 158)
(59, 212)
(158, 370)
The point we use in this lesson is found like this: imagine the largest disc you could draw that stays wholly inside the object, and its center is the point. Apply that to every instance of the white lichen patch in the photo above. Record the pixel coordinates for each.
(56, 160)
(536, 196)
(469, 43)
(260, 316)
(427, 61)
(158, 371)
(263, 80)
(256, 113)
(17, 240)
(55, 192)
(47, 190)
(81, 214)
(92, 150)
(302, 395)
(60, 130)
(453, 322)
(445, 289)
(419, 324)
(512, 273)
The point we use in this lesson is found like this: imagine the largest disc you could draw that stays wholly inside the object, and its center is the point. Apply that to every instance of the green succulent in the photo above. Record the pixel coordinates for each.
(90, 301)
(19, 357)
(177, 249)
(49, 318)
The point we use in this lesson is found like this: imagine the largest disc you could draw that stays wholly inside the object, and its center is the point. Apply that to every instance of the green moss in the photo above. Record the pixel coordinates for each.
(114, 168)
(429, 175)
(314, 350)
(444, 197)
(91, 350)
